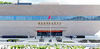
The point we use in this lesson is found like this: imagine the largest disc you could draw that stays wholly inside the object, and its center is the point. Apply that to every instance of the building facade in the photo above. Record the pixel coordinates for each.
(49, 20)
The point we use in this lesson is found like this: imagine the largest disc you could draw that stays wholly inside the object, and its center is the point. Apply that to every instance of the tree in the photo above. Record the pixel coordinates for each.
(1, 2)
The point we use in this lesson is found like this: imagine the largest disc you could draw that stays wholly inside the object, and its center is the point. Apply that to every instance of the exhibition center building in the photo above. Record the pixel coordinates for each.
(49, 23)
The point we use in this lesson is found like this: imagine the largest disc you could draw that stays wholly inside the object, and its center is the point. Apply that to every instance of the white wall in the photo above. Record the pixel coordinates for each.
(69, 27)
(49, 10)
(31, 27)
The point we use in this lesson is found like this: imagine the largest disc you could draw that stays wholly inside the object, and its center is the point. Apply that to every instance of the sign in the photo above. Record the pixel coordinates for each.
(49, 23)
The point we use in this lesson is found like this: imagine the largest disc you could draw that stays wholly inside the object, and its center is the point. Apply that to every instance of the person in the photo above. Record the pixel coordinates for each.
(50, 40)
(35, 37)
(71, 37)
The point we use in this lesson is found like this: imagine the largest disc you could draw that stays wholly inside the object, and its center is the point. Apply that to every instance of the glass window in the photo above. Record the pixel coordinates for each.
(52, 18)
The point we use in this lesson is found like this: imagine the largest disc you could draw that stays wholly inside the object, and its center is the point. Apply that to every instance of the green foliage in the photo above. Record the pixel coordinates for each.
(1, 2)
(17, 46)
(14, 40)
(48, 47)
(68, 42)
(33, 46)
(44, 47)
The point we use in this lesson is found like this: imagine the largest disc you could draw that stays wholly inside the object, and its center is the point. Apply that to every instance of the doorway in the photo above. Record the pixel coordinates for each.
(49, 33)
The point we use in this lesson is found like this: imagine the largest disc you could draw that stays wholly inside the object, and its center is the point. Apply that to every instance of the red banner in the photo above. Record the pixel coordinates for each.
(49, 31)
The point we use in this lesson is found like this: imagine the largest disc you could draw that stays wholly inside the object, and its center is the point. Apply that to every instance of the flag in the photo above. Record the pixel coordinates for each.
(49, 17)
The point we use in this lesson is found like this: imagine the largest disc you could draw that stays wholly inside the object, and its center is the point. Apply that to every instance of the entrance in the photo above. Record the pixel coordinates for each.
(49, 33)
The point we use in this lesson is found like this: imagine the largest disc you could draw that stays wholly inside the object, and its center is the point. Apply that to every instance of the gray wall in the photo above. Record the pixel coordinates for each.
(49, 10)
(30, 27)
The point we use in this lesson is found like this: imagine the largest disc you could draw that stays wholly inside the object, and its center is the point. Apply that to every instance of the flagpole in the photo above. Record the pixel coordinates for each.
(50, 24)
(50, 27)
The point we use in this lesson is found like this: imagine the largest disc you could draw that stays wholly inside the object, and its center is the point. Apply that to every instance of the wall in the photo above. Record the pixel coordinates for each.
(31, 27)
(49, 10)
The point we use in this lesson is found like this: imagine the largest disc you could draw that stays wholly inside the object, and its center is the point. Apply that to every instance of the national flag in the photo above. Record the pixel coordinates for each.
(49, 17)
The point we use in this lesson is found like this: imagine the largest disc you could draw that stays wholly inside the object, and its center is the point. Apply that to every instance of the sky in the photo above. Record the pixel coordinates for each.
(60, 1)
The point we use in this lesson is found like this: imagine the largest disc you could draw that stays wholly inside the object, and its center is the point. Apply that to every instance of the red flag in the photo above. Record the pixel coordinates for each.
(49, 17)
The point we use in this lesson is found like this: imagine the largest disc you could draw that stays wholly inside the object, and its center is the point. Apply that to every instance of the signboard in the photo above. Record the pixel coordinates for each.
(49, 23)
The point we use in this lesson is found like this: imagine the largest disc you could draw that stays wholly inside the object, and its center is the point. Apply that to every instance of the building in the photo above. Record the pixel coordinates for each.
(63, 22)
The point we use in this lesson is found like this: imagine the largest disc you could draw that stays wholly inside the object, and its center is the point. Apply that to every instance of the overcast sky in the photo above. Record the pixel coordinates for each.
(61, 1)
